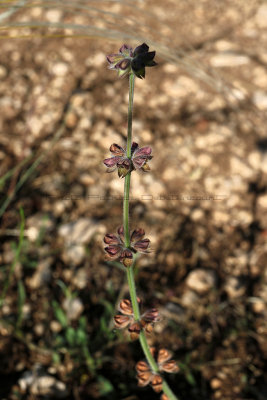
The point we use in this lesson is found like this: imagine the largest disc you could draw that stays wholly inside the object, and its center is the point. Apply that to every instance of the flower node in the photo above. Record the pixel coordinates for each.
(129, 61)
(116, 249)
(119, 160)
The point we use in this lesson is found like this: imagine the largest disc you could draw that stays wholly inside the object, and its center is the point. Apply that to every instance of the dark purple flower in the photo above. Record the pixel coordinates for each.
(132, 61)
(116, 249)
(120, 161)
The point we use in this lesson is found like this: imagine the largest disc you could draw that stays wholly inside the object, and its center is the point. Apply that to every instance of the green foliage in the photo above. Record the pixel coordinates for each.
(18, 249)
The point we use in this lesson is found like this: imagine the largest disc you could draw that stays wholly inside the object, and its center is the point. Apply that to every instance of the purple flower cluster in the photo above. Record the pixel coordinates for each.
(116, 249)
(132, 61)
(120, 161)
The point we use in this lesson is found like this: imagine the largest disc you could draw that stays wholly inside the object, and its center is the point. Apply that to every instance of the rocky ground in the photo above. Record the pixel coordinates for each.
(203, 205)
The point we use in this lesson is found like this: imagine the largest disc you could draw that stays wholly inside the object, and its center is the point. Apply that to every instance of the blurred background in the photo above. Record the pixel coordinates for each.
(203, 205)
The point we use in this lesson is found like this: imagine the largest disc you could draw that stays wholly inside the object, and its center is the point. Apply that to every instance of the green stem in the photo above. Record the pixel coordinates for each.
(130, 270)
(126, 195)
(142, 337)
(130, 115)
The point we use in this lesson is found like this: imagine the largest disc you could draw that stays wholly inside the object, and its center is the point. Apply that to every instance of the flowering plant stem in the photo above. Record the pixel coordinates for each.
(130, 270)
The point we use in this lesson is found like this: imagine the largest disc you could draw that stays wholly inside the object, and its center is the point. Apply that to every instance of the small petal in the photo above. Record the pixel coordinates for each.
(111, 162)
(126, 257)
(143, 151)
(151, 315)
(121, 232)
(134, 147)
(169, 366)
(137, 234)
(142, 245)
(125, 307)
(143, 48)
(156, 383)
(113, 251)
(123, 64)
(144, 378)
(135, 327)
(114, 58)
(121, 321)
(147, 58)
(164, 355)
(125, 49)
(142, 366)
(117, 150)
(111, 239)
(138, 162)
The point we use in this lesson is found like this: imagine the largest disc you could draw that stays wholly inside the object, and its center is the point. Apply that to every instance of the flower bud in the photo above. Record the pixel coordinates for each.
(151, 315)
(163, 355)
(121, 321)
(156, 383)
(134, 330)
(169, 366)
(149, 328)
(142, 366)
(144, 378)
(125, 307)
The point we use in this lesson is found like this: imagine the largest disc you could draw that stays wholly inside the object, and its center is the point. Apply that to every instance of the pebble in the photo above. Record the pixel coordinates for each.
(53, 15)
(48, 386)
(74, 254)
(201, 280)
(261, 16)
(260, 99)
(239, 167)
(262, 202)
(55, 326)
(73, 307)
(215, 383)
(80, 231)
(59, 69)
(3, 72)
(189, 298)
(42, 274)
(234, 287)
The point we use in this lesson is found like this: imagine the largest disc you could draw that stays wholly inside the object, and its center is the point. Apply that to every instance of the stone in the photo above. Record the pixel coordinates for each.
(261, 16)
(262, 201)
(73, 307)
(234, 287)
(3, 72)
(59, 69)
(260, 99)
(48, 386)
(201, 280)
(239, 167)
(80, 231)
(189, 298)
(42, 274)
(74, 254)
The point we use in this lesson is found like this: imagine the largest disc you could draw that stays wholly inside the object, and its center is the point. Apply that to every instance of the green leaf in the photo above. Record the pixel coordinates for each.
(21, 301)
(105, 386)
(55, 358)
(71, 336)
(190, 378)
(81, 337)
(60, 314)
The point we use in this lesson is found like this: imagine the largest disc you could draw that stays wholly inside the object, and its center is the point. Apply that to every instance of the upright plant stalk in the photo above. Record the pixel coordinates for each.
(124, 245)
(130, 273)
